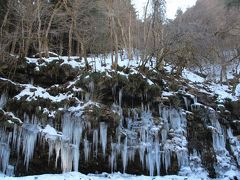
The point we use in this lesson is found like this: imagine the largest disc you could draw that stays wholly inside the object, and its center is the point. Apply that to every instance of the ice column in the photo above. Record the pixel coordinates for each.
(30, 132)
(95, 142)
(124, 154)
(103, 137)
(3, 100)
(86, 149)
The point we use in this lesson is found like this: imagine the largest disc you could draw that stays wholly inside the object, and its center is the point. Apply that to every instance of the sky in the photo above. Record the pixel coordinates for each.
(172, 6)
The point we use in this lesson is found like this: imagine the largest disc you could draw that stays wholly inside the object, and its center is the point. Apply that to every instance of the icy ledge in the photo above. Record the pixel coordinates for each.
(115, 176)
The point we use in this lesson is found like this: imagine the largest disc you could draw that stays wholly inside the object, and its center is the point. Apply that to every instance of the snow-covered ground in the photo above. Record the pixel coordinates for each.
(104, 176)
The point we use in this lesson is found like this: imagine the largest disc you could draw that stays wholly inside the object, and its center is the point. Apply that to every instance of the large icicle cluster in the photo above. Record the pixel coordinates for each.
(29, 134)
(155, 144)
(4, 150)
(234, 145)
(225, 163)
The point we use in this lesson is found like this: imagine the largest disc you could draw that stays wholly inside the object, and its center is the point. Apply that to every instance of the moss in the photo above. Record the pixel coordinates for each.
(233, 107)
(173, 86)
(154, 91)
(175, 101)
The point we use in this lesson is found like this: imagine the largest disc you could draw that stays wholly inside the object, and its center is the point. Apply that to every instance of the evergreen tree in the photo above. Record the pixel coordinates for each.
(232, 3)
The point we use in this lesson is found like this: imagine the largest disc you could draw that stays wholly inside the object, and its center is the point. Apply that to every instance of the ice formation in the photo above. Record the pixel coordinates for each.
(225, 163)
(137, 138)
(95, 142)
(153, 146)
(234, 145)
(4, 156)
(3, 100)
(103, 137)
(30, 133)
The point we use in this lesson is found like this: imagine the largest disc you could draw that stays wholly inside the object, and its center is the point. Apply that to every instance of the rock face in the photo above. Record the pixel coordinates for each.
(57, 117)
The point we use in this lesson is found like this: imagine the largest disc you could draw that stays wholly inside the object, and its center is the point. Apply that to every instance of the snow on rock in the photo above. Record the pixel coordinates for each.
(167, 94)
(51, 114)
(192, 77)
(11, 116)
(237, 90)
(48, 130)
(33, 93)
(223, 92)
(73, 61)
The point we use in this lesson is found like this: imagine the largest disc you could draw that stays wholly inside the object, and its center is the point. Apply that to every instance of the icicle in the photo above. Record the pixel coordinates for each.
(51, 144)
(234, 144)
(77, 132)
(15, 135)
(91, 89)
(95, 142)
(182, 157)
(19, 141)
(10, 171)
(166, 158)
(4, 156)
(164, 134)
(195, 100)
(175, 119)
(120, 97)
(195, 165)
(103, 136)
(66, 157)
(57, 150)
(186, 102)
(143, 134)
(142, 154)
(113, 157)
(10, 136)
(150, 158)
(86, 149)
(32, 81)
(124, 154)
(76, 156)
(142, 106)
(148, 107)
(131, 154)
(67, 126)
(29, 141)
(3, 100)
(218, 134)
(129, 123)
(157, 157)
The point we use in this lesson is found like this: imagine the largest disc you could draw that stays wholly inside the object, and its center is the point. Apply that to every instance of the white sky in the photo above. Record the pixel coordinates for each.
(172, 6)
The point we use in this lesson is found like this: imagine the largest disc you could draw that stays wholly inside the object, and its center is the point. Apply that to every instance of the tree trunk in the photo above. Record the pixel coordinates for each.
(116, 49)
(70, 40)
(130, 56)
(39, 29)
(46, 46)
(84, 55)
(61, 45)
(78, 49)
